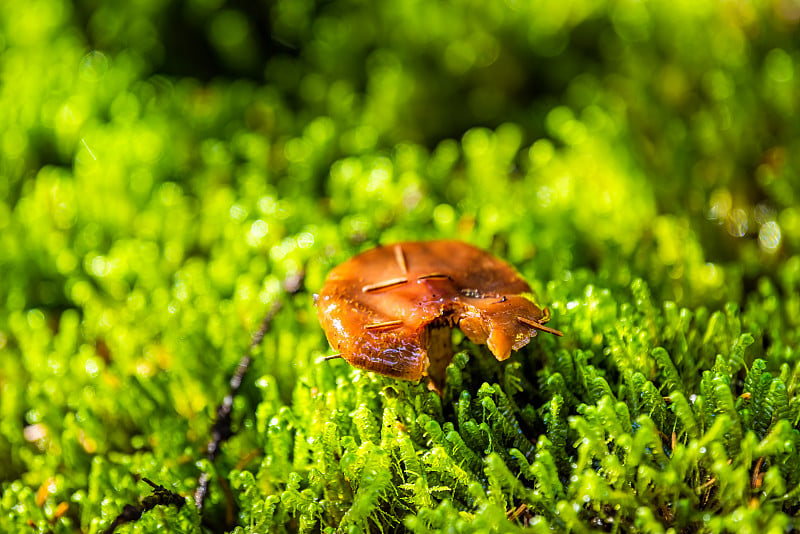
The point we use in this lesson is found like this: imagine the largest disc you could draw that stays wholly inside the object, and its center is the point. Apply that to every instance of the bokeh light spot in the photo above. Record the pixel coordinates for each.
(93, 66)
(541, 152)
(738, 223)
(769, 236)
(443, 215)
(305, 240)
(778, 65)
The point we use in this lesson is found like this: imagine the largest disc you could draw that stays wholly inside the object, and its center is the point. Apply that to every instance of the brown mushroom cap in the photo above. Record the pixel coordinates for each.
(390, 309)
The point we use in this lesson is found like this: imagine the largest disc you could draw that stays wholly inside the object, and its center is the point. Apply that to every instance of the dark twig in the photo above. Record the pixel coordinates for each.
(221, 429)
(160, 495)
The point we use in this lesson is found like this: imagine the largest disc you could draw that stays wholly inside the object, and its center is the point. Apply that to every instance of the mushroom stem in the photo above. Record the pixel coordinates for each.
(440, 354)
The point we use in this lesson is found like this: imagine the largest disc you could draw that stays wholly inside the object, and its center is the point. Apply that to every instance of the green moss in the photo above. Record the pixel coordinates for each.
(165, 167)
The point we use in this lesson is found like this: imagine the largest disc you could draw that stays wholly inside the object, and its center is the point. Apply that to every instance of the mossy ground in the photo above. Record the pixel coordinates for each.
(165, 166)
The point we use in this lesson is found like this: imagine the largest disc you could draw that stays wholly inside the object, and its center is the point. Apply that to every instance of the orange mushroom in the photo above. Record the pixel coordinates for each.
(390, 309)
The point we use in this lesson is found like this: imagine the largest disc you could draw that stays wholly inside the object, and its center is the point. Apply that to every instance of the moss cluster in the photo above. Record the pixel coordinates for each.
(165, 166)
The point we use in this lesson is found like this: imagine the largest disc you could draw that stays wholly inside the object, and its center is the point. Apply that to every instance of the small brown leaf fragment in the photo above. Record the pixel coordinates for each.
(514, 513)
(539, 326)
(758, 477)
(400, 257)
(384, 325)
(434, 276)
(384, 284)
(45, 489)
(61, 509)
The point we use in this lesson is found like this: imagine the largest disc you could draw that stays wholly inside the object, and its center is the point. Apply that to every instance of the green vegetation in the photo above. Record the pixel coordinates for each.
(164, 166)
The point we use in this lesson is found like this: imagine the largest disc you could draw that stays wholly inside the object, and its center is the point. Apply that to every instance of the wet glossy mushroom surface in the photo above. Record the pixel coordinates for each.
(390, 309)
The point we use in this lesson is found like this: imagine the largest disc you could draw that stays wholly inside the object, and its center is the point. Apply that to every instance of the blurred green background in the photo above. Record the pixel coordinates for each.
(165, 165)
